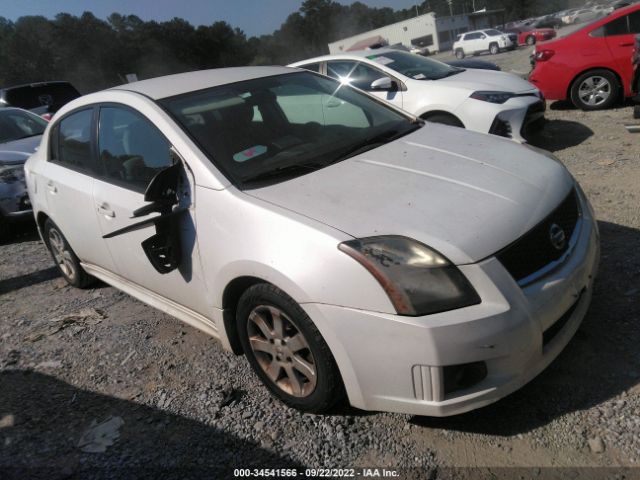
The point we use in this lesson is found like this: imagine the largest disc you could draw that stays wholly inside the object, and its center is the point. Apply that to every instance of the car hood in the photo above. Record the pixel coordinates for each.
(465, 194)
(488, 80)
(17, 151)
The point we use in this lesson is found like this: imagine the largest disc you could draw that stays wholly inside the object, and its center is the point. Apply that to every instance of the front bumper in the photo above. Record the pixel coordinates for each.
(512, 119)
(14, 202)
(396, 363)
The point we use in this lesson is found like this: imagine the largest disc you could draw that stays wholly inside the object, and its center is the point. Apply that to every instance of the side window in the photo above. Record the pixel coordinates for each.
(305, 106)
(312, 67)
(131, 150)
(359, 74)
(634, 22)
(71, 140)
(619, 26)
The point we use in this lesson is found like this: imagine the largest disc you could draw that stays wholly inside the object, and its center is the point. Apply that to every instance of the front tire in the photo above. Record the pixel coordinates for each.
(494, 49)
(286, 351)
(66, 260)
(595, 90)
(460, 54)
(531, 40)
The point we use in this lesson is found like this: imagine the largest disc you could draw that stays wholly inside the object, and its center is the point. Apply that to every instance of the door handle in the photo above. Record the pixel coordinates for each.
(104, 209)
(52, 188)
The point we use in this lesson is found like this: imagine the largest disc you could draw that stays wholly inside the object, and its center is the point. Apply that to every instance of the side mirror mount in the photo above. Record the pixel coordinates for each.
(383, 84)
(162, 192)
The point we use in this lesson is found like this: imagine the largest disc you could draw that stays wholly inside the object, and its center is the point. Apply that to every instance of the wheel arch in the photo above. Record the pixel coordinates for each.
(587, 70)
(230, 297)
(430, 113)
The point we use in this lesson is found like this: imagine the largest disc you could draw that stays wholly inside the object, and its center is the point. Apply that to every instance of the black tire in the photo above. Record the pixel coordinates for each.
(494, 49)
(577, 92)
(328, 390)
(460, 54)
(5, 229)
(531, 40)
(444, 119)
(66, 259)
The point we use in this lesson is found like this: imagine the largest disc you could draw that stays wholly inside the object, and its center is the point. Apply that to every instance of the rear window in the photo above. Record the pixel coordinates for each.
(53, 96)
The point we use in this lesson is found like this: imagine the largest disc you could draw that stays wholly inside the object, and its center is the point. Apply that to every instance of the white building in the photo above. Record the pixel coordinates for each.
(427, 31)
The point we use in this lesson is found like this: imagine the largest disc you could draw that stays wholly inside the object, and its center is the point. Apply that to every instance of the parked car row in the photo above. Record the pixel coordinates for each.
(593, 66)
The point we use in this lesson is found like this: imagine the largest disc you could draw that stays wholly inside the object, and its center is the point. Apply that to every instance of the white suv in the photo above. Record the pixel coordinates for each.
(479, 41)
(341, 244)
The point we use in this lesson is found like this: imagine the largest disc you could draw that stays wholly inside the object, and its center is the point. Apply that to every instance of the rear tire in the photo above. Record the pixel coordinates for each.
(65, 258)
(595, 90)
(286, 351)
(444, 119)
(494, 49)
(460, 54)
(531, 40)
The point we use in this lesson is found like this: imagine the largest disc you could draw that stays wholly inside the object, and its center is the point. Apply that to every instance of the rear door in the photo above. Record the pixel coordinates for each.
(131, 151)
(68, 182)
(619, 35)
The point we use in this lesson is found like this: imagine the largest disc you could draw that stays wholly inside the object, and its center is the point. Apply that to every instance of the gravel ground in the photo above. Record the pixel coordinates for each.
(94, 384)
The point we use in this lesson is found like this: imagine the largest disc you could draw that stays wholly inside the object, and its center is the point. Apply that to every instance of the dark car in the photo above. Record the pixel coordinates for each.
(20, 133)
(43, 98)
(549, 21)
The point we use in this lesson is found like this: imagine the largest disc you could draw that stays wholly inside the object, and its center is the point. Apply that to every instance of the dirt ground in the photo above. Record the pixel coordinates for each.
(94, 384)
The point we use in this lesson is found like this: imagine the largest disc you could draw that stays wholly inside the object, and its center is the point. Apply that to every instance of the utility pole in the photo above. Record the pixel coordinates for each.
(450, 2)
(417, 15)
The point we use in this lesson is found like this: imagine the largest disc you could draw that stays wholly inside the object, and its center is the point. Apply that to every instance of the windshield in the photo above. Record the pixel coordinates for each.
(16, 124)
(415, 66)
(270, 129)
(493, 33)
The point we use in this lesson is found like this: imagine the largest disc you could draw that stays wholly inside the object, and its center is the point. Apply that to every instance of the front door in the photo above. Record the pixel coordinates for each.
(131, 151)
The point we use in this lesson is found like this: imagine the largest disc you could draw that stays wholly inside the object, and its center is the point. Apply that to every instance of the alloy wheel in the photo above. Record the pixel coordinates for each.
(61, 253)
(594, 91)
(282, 351)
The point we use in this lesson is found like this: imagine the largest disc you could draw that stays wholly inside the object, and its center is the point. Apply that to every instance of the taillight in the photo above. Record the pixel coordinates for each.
(544, 55)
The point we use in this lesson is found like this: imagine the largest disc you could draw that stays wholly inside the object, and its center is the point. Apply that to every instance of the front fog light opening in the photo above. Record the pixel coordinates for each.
(463, 376)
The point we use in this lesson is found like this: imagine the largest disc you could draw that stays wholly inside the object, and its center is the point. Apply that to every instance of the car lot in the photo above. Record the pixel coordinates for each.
(95, 354)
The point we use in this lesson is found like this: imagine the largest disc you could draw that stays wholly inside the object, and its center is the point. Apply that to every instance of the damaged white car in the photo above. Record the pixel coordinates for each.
(358, 252)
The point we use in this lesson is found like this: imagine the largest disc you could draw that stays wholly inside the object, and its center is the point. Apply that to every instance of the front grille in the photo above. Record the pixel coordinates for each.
(535, 250)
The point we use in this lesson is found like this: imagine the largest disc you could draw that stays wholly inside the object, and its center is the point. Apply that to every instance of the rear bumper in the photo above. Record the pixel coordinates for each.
(395, 363)
(551, 79)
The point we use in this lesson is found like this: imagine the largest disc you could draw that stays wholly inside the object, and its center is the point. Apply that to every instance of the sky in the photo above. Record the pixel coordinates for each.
(254, 17)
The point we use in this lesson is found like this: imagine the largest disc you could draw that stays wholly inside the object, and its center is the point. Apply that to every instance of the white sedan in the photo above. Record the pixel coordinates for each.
(482, 100)
(409, 266)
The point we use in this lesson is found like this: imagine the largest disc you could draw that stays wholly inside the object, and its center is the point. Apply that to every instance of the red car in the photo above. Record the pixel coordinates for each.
(592, 67)
(531, 36)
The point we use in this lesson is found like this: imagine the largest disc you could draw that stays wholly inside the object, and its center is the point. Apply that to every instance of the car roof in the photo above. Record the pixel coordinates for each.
(177, 84)
(349, 55)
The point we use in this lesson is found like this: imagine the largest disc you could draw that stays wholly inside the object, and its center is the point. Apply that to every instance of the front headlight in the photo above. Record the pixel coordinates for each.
(418, 280)
(492, 97)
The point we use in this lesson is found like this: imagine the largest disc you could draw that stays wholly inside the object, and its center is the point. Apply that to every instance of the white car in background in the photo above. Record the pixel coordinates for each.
(481, 100)
(480, 41)
(415, 267)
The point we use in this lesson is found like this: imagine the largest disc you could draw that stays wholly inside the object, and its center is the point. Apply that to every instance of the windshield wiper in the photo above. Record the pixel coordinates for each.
(377, 140)
(284, 170)
(451, 73)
